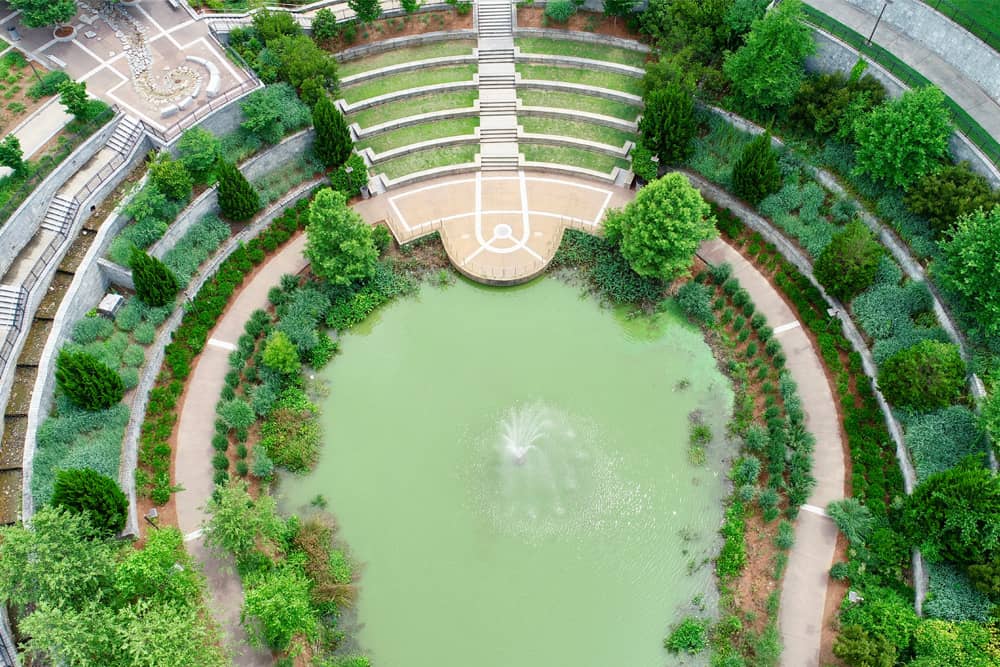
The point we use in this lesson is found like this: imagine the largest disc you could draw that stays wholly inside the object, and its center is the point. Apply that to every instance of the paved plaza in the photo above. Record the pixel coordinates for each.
(135, 55)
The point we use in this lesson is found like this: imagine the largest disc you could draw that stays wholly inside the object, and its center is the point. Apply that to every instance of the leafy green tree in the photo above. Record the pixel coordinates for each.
(986, 577)
(955, 515)
(271, 25)
(742, 13)
(162, 571)
(324, 25)
(947, 195)
(333, 144)
(858, 648)
(926, 376)
(768, 69)
(236, 520)
(170, 177)
(696, 24)
(301, 60)
(668, 125)
(155, 283)
(199, 151)
(40, 13)
(367, 11)
(272, 112)
(902, 140)
(238, 200)
(73, 96)
(619, 9)
(166, 634)
(969, 266)
(280, 354)
(660, 230)
(277, 608)
(756, 173)
(87, 382)
(89, 492)
(81, 636)
(56, 560)
(11, 155)
(847, 266)
(339, 243)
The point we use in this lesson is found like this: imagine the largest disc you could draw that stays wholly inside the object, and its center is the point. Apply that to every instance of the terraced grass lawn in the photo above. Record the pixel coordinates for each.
(588, 77)
(573, 156)
(383, 113)
(423, 160)
(405, 136)
(580, 102)
(399, 56)
(578, 129)
(416, 79)
(571, 47)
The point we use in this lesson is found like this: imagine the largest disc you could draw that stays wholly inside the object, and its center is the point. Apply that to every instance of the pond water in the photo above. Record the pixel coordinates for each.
(510, 470)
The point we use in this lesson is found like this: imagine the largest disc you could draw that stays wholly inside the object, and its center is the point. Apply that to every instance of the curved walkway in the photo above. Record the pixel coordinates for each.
(803, 591)
(193, 452)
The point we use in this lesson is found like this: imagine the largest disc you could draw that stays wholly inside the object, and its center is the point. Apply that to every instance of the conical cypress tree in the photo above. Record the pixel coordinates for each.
(155, 284)
(237, 198)
(333, 143)
(87, 381)
(756, 173)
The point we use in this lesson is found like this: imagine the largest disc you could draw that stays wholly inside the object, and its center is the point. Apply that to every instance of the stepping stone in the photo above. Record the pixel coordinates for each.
(90, 34)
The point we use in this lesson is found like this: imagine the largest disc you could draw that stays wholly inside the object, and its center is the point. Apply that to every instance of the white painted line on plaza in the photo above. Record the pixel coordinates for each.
(214, 53)
(182, 25)
(525, 223)
(215, 342)
(787, 327)
(10, 16)
(399, 214)
(815, 510)
(194, 535)
(604, 207)
(86, 50)
(478, 224)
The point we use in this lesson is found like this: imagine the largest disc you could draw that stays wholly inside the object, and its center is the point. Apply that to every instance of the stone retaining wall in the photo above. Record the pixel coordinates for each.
(593, 91)
(583, 63)
(587, 37)
(359, 132)
(389, 70)
(573, 115)
(365, 50)
(400, 95)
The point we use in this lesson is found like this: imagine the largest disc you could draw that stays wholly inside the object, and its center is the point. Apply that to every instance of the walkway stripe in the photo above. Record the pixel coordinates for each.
(215, 342)
(787, 327)
(815, 510)
(194, 535)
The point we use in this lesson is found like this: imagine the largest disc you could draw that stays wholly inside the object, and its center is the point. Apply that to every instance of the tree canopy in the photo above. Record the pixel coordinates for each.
(40, 13)
(969, 266)
(339, 243)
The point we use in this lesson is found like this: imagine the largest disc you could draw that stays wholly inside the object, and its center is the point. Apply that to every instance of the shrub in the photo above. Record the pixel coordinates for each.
(747, 470)
(755, 173)
(236, 413)
(785, 537)
(926, 376)
(884, 613)
(944, 643)
(852, 518)
(945, 196)
(848, 265)
(277, 608)
(144, 333)
(88, 492)
(262, 466)
(969, 267)
(90, 328)
(668, 125)
(690, 636)
(733, 555)
(280, 354)
(274, 111)
(199, 151)
(828, 104)
(291, 438)
(238, 201)
(940, 440)
(170, 177)
(696, 302)
(155, 285)
(49, 85)
(855, 646)
(324, 25)
(87, 382)
(952, 596)
(560, 11)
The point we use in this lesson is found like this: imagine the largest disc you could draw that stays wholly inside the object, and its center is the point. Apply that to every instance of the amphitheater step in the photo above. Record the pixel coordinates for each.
(496, 81)
(504, 135)
(499, 163)
(497, 56)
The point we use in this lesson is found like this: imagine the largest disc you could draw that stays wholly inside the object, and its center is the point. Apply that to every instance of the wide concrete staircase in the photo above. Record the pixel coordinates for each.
(497, 83)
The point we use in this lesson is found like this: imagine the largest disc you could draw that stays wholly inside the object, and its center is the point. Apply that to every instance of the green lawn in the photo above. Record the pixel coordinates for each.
(398, 56)
(574, 156)
(405, 136)
(383, 113)
(423, 160)
(579, 102)
(578, 129)
(588, 77)
(569, 47)
(980, 17)
(405, 80)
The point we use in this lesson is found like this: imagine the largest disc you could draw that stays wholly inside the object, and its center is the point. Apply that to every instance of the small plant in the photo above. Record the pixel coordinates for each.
(739, 323)
(690, 636)
(560, 11)
(751, 350)
(785, 537)
(319, 501)
(747, 493)
(743, 335)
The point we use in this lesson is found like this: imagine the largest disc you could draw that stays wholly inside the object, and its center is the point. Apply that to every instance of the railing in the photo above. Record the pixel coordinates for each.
(168, 134)
(110, 168)
(342, 13)
(965, 123)
(15, 329)
(988, 35)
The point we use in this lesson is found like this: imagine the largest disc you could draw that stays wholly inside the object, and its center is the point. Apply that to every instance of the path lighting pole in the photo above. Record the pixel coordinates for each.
(31, 61)
(885, 4)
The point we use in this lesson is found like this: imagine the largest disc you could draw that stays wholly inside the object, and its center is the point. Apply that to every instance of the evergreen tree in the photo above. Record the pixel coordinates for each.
(667, 124)
(155, 284)
(237, 198)
(87, 382)
(756, 174)
(89, 492)
(333, 143)
(848, 264)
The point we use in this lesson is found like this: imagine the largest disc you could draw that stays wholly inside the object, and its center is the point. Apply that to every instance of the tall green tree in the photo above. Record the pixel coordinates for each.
(696, 24)
(768, 69)
(367, 11)
(970, 267)
(237, 198)
(302, 62)
(668, 125)
(11, 155)
(87, 382)
(155, 283)
(40, 13)
(277, 608)
(170, 177)
(333, 144)
(660, 230)
(89, 492)
(199, 151)
(339, 243)
(236, 521)
(756, 173)
(73, 96)
(901, 140)
(324, 25)
(847, 266)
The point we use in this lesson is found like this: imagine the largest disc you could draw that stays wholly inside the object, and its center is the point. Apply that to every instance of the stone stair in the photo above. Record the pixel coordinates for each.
(497, 135)
(496, 56)
(11, 305)
(129, 131)
(505, 81)
(499, 163)
(59, 215)
(494, 19)
(497, 82)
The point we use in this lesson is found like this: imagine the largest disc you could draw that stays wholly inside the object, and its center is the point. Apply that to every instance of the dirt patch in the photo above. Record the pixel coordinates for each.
(411, 24)
(582, 21)
(835, 593)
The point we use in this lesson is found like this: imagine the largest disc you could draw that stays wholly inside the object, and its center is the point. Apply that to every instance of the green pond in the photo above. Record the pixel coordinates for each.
(510, 470)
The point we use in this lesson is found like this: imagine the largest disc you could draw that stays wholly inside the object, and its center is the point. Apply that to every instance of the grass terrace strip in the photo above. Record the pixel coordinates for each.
(405, 55)
(452, 127)
(427, 159)
(578, 102)
(405, 80)
(578, 129)
(571, 47)
(577, 157)
(587, 77)
(412, 106)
